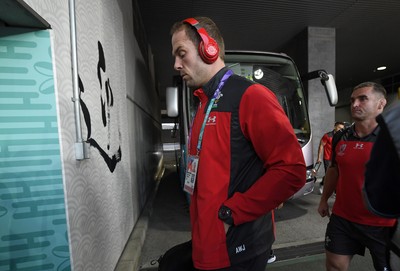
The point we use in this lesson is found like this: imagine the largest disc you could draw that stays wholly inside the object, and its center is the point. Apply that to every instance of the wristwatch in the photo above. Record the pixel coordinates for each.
(225, 214)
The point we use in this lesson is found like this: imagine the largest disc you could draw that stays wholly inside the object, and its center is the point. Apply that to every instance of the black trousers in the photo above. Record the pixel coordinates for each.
(179, 258)
(257, 263)
(326, 165)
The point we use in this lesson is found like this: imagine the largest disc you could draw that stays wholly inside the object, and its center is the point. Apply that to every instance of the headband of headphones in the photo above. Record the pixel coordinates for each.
(208, 47)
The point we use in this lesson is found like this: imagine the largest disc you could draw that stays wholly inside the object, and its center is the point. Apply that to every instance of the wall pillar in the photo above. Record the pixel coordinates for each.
(321, 55)
(315, 49)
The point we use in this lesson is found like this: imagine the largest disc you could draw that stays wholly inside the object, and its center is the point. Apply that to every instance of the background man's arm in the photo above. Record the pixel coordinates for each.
(331, 178)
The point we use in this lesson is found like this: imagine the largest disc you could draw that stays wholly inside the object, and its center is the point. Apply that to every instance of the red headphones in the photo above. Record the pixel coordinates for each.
(208, 47)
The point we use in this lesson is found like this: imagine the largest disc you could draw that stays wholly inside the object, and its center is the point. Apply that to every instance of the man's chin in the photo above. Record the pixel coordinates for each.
(191, 85)
(357, 118)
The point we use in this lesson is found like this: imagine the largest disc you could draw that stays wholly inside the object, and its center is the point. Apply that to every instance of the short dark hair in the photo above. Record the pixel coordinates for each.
(339, 123)
(208, 25)
(375, 87)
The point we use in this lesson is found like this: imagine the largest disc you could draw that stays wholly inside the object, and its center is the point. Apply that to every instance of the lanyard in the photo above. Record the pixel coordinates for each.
(210, 105)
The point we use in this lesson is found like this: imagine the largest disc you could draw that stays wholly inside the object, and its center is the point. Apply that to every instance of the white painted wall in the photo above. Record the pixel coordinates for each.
(103, 205)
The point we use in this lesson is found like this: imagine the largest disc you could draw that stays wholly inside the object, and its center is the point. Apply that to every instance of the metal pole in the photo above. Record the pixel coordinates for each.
(79, 144)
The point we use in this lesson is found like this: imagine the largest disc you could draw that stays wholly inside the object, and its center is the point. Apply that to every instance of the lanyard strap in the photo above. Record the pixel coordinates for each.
(210, 105)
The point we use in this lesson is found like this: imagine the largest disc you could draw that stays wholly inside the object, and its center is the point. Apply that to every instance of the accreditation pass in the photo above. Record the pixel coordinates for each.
(191, 173)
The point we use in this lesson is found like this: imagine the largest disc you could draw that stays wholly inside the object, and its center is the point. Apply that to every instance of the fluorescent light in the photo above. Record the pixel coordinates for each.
(381, 68)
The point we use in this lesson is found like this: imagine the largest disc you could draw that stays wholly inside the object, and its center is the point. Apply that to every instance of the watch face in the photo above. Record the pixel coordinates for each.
(225, 212)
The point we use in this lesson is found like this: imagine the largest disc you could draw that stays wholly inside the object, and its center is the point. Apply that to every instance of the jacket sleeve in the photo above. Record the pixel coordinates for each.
(266, 125)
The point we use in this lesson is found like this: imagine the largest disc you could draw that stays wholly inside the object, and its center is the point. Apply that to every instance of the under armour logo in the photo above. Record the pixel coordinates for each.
(212, 119)
(327, 241)
(359, 146)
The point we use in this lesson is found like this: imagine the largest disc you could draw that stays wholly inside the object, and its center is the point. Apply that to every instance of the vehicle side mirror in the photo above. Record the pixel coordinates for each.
(328, 82)
(330, 87)
(172, 101)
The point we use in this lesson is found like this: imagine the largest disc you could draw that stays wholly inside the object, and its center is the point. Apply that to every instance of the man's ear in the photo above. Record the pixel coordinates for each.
(382, 103)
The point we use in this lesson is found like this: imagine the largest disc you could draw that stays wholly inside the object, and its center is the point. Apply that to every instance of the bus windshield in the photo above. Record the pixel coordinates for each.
(280, 75)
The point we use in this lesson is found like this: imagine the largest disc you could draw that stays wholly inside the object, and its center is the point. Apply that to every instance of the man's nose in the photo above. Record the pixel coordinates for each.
(355, 103)
(177, 64)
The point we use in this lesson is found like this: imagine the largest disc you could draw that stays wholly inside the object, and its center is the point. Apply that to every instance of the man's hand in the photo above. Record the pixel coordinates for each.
(323, 208)
(226, 227)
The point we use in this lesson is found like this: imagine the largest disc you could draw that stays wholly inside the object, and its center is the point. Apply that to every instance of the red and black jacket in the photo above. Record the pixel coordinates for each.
(250, 161)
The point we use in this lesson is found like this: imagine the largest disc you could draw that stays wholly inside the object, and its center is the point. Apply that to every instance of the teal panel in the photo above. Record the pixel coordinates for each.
(33, 228)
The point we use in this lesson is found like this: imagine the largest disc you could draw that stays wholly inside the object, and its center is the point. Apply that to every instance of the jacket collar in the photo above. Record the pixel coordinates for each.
(210, 87)
(375, 132)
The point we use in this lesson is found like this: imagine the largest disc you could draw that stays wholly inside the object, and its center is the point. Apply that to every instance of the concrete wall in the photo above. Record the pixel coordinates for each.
(321, 55)
(105, 193)
(314, 49)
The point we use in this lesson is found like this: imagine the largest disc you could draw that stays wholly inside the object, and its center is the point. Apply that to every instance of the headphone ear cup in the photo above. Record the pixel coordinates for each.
(208, 47)
(209, 52)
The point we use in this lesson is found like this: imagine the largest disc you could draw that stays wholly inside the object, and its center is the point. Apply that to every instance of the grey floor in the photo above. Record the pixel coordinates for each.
(165, 223)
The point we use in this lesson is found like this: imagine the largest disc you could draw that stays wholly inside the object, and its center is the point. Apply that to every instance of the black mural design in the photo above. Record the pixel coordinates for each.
(106, 103)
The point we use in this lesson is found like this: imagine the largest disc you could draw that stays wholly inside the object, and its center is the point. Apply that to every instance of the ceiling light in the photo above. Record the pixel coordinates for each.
(381, 68)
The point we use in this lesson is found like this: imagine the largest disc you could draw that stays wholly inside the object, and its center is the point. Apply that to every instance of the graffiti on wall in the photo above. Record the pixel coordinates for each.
(106, 98)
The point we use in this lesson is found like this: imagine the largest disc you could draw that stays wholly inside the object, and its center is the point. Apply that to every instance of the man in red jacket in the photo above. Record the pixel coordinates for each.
(247, 158)
(325, 149)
